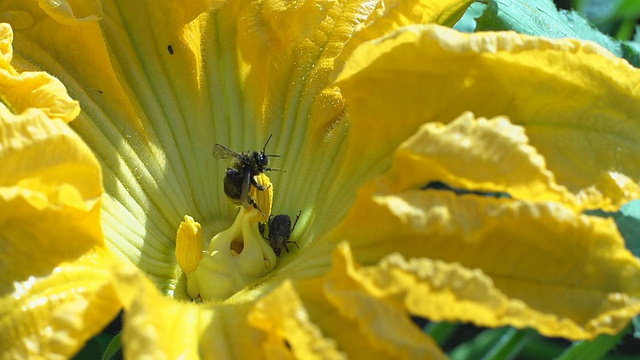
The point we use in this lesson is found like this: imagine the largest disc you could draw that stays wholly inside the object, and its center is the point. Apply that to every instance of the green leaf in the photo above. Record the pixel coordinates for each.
(628, 8)
(636, 327)
(510, 344)
(628, 221)
(112, 349)
(599, 11)
(542, 18)
(441, 331)
(94, 347)
(596, 349)
(468, 21)
(478, 346)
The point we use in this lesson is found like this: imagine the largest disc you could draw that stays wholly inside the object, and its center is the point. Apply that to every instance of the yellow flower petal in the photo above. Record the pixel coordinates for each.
(162, 328)
(322, 317)
(69, 11)
(281, 315)
(49, 180)
(449, 291)
(476, 154)
(52, 315)
(576, 101)
(389, 16)
(383, 322)
(40, 90)
(54, 269)
(373, 331)
(572, 270)
(156, 326)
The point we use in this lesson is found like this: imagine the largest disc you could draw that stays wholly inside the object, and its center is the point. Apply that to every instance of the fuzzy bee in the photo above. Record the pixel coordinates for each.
(240, 175)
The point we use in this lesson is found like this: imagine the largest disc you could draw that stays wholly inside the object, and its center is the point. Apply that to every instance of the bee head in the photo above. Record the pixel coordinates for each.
(261, 159)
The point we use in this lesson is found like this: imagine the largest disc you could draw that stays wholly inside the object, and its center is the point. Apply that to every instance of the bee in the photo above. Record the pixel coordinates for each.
(280, 230)
(240, 175)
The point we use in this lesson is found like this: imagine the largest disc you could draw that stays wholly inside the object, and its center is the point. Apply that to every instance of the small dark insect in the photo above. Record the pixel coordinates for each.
(170, 49)
(240, 175)
(280, 230)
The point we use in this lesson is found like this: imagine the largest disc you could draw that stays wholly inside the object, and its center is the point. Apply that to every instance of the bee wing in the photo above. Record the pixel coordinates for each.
(223, 152)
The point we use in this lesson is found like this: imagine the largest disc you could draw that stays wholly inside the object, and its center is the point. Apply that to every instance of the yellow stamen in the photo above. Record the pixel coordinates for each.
(236, 256)
(263, 198)
(189, 245)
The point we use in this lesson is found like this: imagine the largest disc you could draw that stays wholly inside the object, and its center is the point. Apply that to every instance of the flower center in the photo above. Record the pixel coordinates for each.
(234, 257)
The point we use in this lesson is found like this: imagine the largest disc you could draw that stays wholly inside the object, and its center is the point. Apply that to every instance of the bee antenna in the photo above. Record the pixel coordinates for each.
(267, 143)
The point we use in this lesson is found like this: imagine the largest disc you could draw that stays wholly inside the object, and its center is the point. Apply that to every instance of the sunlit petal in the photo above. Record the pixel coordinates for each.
(374, 314)
(449, 291)
(281, 315)
(156, 326)
(577, 103)
(69, 11)
(55, 288)
(572, 270)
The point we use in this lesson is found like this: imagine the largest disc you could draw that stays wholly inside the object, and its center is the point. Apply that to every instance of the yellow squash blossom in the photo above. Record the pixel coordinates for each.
(369, 103)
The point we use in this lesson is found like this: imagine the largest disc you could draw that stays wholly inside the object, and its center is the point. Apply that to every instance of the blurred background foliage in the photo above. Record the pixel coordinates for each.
(618, 18)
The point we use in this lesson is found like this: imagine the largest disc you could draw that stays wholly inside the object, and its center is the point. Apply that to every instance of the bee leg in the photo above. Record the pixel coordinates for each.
(255, 183)
(275, 169)
(246, 187)
(255, 206)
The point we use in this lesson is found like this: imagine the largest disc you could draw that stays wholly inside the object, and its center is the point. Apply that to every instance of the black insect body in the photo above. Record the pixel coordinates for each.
(280, 230)
(240, 175)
